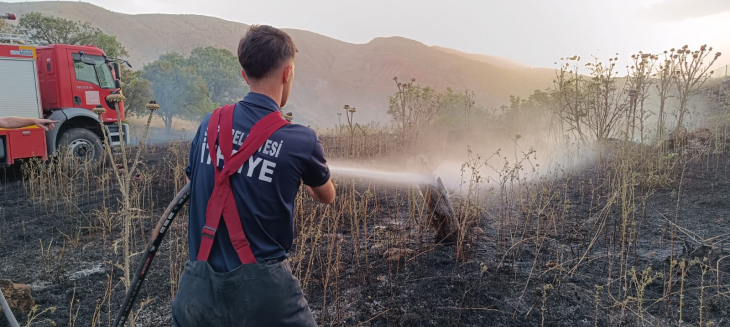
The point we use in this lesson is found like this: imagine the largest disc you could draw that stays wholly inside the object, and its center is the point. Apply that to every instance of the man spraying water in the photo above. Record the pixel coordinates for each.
(246, 165)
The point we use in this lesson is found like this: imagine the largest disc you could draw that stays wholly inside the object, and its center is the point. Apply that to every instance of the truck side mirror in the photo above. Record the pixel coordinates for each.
(117, 71)
(118, 84)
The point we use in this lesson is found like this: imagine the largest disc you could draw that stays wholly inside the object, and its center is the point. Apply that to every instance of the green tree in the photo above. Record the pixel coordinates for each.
(221, 72)
(137, 90)
(178, 89)
(414, 107)
(45, 30)
(110, 45)
(5, 27)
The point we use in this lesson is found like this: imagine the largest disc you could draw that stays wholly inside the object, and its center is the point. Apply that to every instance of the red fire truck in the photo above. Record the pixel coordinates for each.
(58, 82)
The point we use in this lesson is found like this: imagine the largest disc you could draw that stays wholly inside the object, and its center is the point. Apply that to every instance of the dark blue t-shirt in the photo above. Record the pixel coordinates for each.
(265, 187)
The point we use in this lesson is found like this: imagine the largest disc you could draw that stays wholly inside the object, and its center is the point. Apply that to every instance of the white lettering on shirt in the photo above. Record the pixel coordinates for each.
(252, 165)
(265, 170)
(269, 149)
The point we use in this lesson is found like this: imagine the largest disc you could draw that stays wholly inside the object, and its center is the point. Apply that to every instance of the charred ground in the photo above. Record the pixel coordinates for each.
(568, 251)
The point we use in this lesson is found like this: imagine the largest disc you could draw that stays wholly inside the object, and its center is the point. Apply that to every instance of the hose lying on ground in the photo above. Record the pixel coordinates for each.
(6, 310)
(163, 226)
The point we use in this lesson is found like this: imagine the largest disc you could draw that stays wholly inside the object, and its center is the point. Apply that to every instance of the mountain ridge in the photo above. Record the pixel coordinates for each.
(330, 73)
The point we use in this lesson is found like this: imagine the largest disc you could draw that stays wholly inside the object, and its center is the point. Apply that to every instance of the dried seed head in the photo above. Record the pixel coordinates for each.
(346, 107)
(352, 110)
(152, 106)
(99, 110)
(114, 98)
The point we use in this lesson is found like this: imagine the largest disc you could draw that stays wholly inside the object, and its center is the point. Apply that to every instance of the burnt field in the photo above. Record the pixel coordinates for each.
(641, 237)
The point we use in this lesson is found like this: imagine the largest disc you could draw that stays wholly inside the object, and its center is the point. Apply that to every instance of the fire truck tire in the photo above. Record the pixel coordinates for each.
(82, 144)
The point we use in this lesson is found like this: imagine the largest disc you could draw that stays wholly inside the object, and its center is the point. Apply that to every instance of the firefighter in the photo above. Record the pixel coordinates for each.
(18, 122)
(245, 168)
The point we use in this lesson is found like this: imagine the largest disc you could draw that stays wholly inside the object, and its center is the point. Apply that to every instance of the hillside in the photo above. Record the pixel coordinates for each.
(330, 73)
(492, 60)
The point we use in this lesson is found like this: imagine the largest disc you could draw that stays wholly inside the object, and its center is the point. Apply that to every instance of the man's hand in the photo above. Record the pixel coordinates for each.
(45, 124)
(324, 194)
(19, 122)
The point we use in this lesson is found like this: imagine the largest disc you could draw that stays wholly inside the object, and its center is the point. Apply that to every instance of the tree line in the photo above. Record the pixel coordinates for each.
(589, 101)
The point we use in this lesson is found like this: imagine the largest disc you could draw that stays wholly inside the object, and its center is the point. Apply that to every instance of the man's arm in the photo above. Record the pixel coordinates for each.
(18, 122)
(324, 194)
(317, 175)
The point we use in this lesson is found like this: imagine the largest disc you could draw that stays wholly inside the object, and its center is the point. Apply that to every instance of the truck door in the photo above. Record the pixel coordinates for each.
(47, 79)
(88, 80)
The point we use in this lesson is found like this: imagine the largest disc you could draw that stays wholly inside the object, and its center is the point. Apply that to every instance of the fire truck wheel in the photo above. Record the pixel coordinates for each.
(82, 144)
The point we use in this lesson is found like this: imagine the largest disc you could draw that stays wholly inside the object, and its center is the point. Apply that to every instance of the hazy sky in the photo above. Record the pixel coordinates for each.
(534, 32)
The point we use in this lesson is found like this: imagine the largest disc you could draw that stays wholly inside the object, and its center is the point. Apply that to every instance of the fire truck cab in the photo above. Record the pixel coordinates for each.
(63, 83)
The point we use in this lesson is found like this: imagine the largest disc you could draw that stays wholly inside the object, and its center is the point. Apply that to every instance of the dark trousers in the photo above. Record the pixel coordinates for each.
(261, 294)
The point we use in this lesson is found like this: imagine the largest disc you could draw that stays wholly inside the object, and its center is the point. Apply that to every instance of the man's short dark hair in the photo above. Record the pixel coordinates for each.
(263, 49)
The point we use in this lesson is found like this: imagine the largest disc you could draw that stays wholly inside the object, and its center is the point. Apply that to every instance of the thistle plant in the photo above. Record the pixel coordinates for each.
(124, 175)
(350, 113)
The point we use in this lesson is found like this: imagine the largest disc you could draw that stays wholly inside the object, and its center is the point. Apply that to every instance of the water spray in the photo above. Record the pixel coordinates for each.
(441, 215)
(385, 176)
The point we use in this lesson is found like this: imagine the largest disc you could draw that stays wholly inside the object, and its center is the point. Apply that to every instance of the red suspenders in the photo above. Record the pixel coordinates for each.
(221, 202)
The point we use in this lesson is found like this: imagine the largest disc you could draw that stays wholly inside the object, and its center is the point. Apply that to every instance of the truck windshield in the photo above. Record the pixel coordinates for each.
(99, 74)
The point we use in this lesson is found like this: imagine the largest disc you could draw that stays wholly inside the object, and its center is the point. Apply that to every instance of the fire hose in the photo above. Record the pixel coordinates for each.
(163, 225)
